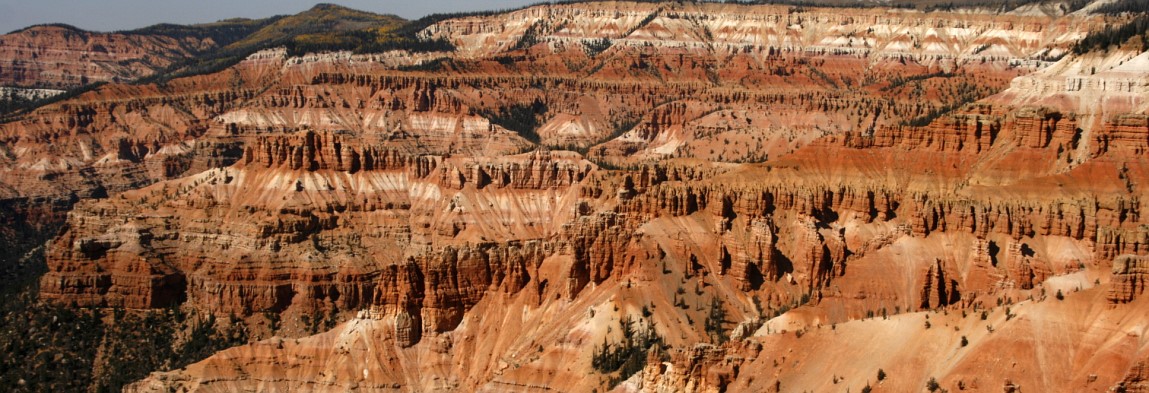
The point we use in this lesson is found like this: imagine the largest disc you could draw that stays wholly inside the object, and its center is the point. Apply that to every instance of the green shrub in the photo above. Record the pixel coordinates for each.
(628, 356)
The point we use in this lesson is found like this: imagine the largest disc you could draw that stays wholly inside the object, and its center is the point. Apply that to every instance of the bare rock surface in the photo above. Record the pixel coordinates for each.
(771, 190)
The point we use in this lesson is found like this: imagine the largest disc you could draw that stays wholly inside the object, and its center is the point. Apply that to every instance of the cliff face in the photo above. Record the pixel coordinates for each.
(719, 81)
(63, 57)
(320, 218)
(1128, 279)
(767, 232)
(734, 28)
(497, 218)
(1017, 246)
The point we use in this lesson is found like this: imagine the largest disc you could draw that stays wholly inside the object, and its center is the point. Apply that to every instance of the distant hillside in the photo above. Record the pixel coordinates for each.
(66, 58)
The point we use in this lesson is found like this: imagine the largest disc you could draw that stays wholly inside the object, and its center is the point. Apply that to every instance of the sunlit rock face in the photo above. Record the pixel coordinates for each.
(946, 196)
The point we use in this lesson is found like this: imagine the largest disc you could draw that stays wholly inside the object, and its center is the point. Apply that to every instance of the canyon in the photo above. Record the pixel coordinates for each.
(622, 196)
(63, 57)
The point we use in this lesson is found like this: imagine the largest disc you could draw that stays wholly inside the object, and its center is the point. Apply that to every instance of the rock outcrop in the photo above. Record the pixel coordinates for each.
(1129, 274)
(63, 57)
(482, 220)
(1137, 380)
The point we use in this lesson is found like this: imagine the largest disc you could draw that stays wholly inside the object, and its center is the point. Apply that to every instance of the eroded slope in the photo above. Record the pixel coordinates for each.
(409, 197)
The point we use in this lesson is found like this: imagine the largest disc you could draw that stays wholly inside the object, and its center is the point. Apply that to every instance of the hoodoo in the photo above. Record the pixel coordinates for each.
(587, 196)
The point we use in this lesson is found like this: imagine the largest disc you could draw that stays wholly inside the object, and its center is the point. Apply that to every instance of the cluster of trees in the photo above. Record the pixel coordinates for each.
(802, 5)
(531, 36)
(376, 39)
(999, 5)
(60, 25)
(11, 105)
(594, 47)
(223, 33)
(363, 41)
(1123, 6)
(524, 119)
(52, 347)
(1118, 35)
(629, 355)
(46, 348)
(316, 30)
(962, 93)
(140, 342)
(11, 102)
(714, 321)
(228, 36)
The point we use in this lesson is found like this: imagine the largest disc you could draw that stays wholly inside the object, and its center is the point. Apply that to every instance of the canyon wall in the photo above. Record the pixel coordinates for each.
(766, 188)
(63, 57)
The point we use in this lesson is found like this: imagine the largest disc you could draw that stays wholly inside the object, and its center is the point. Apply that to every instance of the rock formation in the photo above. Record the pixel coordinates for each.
(63, 57)
(841, 190)
(1128, 278)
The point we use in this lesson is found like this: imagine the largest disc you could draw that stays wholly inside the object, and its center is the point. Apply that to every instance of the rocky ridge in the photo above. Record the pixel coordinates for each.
(63, 57)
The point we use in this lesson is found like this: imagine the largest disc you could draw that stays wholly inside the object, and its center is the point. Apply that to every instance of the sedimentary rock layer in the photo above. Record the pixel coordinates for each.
(490, 219)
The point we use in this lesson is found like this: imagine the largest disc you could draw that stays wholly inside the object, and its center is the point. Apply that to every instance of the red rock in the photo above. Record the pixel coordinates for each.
(63, 57)
(1128, 278)
(714, 149)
